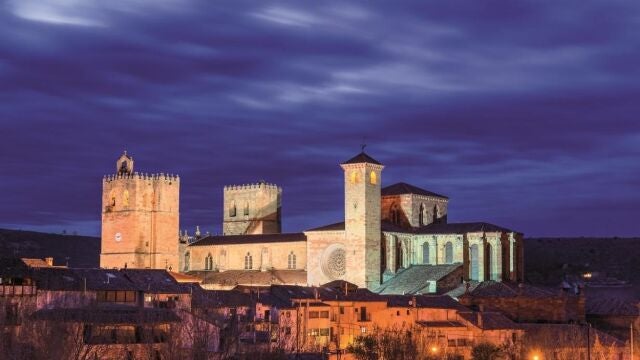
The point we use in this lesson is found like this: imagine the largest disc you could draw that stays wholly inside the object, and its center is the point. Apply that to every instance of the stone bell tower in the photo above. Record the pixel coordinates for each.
(362, 178)
(140, 219)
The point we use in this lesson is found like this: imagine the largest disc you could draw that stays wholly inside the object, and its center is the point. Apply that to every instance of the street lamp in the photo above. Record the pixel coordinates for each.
(536, 356)
(434, 349)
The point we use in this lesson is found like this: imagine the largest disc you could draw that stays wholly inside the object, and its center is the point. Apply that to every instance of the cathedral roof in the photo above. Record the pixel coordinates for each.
(460, 228)
(249, 239)
(415, 279)
(339, 226)
(404, 188)
(362, 158)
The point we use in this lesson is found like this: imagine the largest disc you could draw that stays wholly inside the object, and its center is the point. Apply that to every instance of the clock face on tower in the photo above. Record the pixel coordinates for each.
(118, 237)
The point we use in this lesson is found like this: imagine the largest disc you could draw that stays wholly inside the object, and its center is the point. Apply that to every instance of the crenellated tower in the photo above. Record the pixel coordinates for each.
(252, 209)
(140, 218)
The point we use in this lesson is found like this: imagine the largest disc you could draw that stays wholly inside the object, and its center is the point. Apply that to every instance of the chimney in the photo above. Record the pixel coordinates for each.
(49, 261)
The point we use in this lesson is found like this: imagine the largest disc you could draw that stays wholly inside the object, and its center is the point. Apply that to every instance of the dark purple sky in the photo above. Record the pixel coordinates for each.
(526, 114)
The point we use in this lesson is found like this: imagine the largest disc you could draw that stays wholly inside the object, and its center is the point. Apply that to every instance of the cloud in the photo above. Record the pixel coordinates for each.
(520, 113)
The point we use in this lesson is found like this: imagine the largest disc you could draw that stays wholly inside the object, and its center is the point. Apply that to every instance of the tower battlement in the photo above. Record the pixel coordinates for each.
(258, 185)
(141, 176)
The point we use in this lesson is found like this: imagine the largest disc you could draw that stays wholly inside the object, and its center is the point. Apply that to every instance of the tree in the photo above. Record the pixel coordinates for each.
(485, 351)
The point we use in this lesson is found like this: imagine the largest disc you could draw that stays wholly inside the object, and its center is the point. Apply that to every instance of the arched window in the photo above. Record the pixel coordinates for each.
(248, 262)
(421, 217)
(435, 214)
(125, 198)
(425, 253)
(246, 208)
(112, 197)
(232, 209)
(473, 257)
(395, 214)
(355, 177)
(373, 178)
(187, 260)
(488, 263)
(208, 262)
(399, 254)
(291, 263)
(448, 253)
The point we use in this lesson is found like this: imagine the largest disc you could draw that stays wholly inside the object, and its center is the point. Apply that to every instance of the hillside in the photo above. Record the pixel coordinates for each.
(547, 260)
(82, 251)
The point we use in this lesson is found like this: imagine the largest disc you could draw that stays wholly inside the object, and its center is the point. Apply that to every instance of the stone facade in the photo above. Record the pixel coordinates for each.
(257, 256)
(140, 219)
(252, 209)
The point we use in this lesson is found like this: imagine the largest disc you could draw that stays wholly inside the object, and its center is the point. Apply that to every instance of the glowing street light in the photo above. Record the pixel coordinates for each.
(536, 356)
(434, 349)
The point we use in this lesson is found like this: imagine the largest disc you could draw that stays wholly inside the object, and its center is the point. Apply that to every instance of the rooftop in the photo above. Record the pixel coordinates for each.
(415, 279)
(404, 188)
(249, 239)
(362, 158)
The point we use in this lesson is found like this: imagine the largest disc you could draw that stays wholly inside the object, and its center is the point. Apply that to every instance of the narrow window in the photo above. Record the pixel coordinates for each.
(187, 259)
(232, 210)
(448, 253)
(425, 253)
(125, 198)
(373, 178)
(291, 263)
(248, 261)
(246, 209)
(421, 218)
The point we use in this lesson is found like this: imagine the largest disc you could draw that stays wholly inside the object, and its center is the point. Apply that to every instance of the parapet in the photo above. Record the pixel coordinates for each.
(141, 176)
(255, 186)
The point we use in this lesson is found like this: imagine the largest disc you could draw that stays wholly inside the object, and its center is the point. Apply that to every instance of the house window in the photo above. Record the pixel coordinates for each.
(248, 262)
(341, 310)
(324, 332)
(363, 330)
(291, 263)
(313, 315)
(324, 314)
(373, 178)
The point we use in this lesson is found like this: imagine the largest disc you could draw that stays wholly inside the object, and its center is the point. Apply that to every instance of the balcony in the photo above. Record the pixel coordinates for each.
(17, 290)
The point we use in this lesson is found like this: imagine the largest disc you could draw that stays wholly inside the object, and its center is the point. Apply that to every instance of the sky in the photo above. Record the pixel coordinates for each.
(526, 114)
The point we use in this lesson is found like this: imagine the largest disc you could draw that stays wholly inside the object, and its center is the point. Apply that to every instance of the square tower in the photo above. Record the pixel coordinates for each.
(252, 209)
(362, 178)
(140, 219)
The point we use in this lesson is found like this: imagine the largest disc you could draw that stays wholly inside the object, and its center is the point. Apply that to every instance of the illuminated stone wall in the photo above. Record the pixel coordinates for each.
(410, 205)
(140, 221)
(252, 209)
(264, 256)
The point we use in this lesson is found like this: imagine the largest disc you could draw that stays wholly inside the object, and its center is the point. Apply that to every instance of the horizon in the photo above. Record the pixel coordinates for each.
(524, 115)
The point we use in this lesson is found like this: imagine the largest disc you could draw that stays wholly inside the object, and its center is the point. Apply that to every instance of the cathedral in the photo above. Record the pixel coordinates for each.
(393, 240)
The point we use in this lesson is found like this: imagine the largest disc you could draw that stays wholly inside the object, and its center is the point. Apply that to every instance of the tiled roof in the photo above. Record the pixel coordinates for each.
(154, 281)
(287, 293)
(404, 188)
(111, 315)
(424, 301)
(362, 158)
(147, 280)
(415, 279)
(490, 320)
(439, 324)
(507, 289)
(249, 239)
(35, 262)
(184, 278)
(384, 226)
(221, 298)
(612, 306)
(232, 278)
(13, 267)
(460, 228)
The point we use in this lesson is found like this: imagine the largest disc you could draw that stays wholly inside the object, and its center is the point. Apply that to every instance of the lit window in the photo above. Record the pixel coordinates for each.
(208, 262)
(373, 178)
(125, 198)
(355, 177)
(363, 330)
